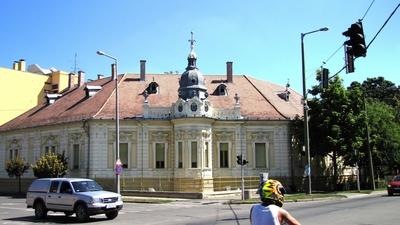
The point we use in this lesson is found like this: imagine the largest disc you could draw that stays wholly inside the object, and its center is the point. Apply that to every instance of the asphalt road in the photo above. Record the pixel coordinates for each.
(372, 210)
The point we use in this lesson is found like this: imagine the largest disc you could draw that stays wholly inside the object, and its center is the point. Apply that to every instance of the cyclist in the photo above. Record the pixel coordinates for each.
(270, 211)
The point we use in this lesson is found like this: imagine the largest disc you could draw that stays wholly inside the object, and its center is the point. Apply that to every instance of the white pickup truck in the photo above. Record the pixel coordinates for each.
(84, 197)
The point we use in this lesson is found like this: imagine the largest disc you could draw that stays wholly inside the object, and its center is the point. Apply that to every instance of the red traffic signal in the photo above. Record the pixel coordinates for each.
(356, 40)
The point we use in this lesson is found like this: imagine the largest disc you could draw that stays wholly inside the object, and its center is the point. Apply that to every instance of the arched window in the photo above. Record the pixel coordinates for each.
(221, 90)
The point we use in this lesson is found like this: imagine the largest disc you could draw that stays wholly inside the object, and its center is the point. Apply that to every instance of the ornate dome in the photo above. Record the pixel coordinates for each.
(192, 83)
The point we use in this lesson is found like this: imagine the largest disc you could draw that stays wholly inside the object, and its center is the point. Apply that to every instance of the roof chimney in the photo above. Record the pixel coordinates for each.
(15, 65)
(70, 80)
(22, 65)
(81, 78)
(229, 72)
(142, 70)
(100, 76)
(113, 71)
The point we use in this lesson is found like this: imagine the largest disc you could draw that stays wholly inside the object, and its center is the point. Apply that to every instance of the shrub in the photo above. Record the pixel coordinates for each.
(16, 167)
(51, 165)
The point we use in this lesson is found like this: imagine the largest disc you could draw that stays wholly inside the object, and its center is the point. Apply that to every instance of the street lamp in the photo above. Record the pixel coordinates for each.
(118, 165)
(305, 108)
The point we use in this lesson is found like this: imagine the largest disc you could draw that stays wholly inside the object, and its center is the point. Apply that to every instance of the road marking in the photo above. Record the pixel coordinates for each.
(22, 209)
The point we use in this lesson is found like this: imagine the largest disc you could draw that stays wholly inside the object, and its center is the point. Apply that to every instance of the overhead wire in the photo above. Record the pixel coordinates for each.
(383, 25)
(367, 10)
(387, 20)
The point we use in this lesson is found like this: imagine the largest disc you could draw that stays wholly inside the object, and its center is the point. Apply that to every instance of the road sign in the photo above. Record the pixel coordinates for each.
(118, 167)
(307, 170)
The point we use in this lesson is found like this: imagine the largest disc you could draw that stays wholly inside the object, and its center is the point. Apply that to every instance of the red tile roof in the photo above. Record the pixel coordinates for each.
(258, 100)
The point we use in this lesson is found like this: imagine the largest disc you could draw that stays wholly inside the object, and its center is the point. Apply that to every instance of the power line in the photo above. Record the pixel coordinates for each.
(334, 53)
(324, 62)
(372, 38)
(383, 26)
(367, 10)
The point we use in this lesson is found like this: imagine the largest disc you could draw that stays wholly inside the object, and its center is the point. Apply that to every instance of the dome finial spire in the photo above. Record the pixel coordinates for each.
(192, 55)
(192, 41)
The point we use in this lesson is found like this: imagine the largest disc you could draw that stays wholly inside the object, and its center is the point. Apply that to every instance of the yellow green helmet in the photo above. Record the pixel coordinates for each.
(272, 190)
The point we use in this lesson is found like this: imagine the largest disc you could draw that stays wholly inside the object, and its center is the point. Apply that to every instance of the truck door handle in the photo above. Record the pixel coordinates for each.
(59, 196)
(49, 196)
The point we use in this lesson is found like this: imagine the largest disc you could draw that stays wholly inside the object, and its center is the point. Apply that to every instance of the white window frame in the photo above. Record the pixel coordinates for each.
(266, 143)
(177, 155)
(165, 154)
(229, 154)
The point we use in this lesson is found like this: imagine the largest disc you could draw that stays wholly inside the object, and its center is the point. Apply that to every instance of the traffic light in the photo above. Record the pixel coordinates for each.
(239, 159)
(325, 78)
(356, 40)
(349, 60)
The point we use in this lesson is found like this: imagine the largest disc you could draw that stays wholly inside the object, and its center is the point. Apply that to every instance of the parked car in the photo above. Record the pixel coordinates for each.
(84, 197)
(394, 185)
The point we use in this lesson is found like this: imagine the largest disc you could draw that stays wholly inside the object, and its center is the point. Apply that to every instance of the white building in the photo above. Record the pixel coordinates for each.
(177, 133)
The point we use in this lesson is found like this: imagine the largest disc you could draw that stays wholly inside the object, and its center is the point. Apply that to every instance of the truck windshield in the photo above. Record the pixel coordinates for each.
(84, 186)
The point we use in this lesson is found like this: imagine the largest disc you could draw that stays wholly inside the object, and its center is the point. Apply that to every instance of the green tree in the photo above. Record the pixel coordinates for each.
(382, 109)
(338, 124)
(385, 137)
(51, 165)
(382, 90)
(16, 167)
(329, 118)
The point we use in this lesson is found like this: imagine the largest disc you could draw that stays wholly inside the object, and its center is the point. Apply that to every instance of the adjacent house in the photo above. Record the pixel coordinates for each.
(22, 88)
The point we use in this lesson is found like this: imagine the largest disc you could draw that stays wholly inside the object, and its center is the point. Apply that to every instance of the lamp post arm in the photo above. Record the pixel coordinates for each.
(321, 29)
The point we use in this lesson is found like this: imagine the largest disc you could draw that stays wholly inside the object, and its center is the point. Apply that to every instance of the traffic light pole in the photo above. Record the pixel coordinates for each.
(305, 112)
(242, 179)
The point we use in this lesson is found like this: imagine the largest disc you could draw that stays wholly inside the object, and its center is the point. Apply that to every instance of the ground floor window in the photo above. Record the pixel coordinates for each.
(224, 155)
(261, 155)
(180, 155)
(160, 155)
(75, 152)
(13, 154)
(193, 154)
(48, 149)
(123, 154)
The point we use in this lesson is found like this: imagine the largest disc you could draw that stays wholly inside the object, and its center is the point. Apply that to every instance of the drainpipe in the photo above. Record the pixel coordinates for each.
(142, 159)
(291, 150)
(86, 128)
(241, 166)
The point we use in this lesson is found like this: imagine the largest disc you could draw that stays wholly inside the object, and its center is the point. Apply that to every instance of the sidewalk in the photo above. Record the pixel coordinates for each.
(360, 195)
(237, 199)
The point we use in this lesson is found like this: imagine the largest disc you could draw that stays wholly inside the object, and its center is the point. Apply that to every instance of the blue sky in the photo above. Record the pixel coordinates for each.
(262, 38)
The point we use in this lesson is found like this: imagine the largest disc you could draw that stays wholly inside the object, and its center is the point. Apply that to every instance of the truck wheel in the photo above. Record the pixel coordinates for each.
(40, 210)
(111, 215)
(82, 213)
